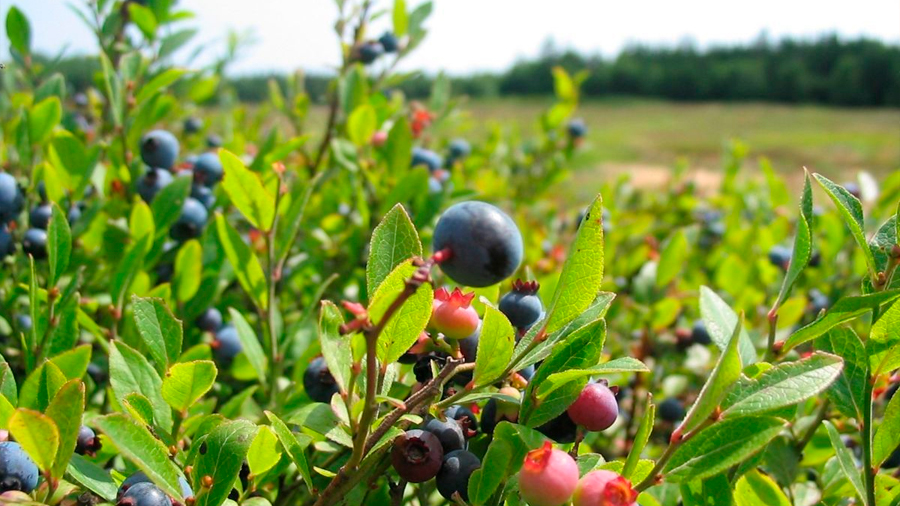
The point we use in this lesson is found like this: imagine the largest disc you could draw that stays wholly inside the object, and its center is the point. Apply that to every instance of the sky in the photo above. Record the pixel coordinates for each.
(487, 35)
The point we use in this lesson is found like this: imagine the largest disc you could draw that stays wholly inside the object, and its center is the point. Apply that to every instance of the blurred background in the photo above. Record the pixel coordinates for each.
(803, 83)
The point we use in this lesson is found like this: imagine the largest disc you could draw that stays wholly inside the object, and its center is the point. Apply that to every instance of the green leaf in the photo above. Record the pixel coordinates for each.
(495, 346)
(66, 410)
(845, 459)
(41, 386)
(400, 18)
(712, 491)
(73, 363)
(580, 350)
(408, 322)
(140, 223)
(42, 118)
(757, 489)
(143, 18)
(247, 192)
(720, 320)
(843, 311)
(291, 446)
(159, 329)
(615, 366)
(398, 148)
(18, 30)
(582, 273)
(59, 244)
(127, 269)
(394, 240)
(139, 407)
(92, 477)
(487, 478)
(73, 160)
(130, 372)
(263, 453)
(226, 448)
(641, 437)
(885, 329)
(246, 265)
(167, 204)
(881, 244)
(319, 418)
(850, 390)
(887, 437)
(335, 346)
(721, 446)
(250, 345)
(149, 454)
(851, 211)
(160, 81)
(188, 270)
(8, 386)
(186, 382)
(783, 385)
(362, 124)
(37, 434)
(802, 242)
(673, 257)
(717, 386)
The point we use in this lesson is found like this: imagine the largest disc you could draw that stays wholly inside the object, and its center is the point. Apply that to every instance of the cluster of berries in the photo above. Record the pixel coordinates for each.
(369, 51)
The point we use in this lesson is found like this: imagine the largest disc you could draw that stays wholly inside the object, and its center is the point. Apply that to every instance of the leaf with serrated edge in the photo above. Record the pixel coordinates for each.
(843, 311)
(802, 242)
(160, 330)
(845, 459)
(720, 319)
(226, 448)
(291, 446)
(757, 489)
(37, 434)
(247, 192)
(92, 477)
(394, 240)
(335, 346)
(129, 372)
(263, 453)
(850, 209)
(887, 437)
(185, 383)
(66, 411)
(721, 446)
(848, 392)
(783, 385)
(408, 322)
(615, 366)
(495, 346)
(244, 261)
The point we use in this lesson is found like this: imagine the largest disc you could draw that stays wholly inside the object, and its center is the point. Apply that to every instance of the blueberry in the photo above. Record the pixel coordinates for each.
(226, 345)
(459, 148)
(74, 213)
(699, 334)
(17, 470)
(595, 409)
(144, 494)
(210, 320)
(603, 487)
(522, 306)
(671, 410)
(422, 368)
(97, 373)
(193, 125)
(204, 195)
(815, 258)
(548, 477)
(893, 459)
(576, 128)
(465, 417)
(139, 477)
(368, 52)
(561, 429)
(454, 475)
(152, 182)
(208, 169)
(23, 321)
(431, 160)
(81, 100)
(527, 373)
(34, 243)
(7, 245)
(191, 222)
(435, 186)
(417, 456)
(40, 216)
(483, 244)
(468, 346)
(818, 301)
(87, 443)
(159, 148)
(12, 201)
(448, 432)
(389, 42)
(780, 256)
(496, 411)
(213, 141)
(318, 381)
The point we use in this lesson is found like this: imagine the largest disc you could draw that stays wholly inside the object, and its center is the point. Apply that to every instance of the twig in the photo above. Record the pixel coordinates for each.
(655, 475)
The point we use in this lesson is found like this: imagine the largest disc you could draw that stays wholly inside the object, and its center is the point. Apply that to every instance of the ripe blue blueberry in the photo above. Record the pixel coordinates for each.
(527, 373)
(780, 256)
(465, 417)
(368, 52)
(818, 301)
(431, 160)
(210, 320)
(80, 99)
(23, 322)
(140, 477)
(144, 494)
(193, 125)
(226, 345)
(435, 186)
(459, 148)
(34, 243)
(74, 213)
(40, 216)
(11, 198)
(482, 242)
(87, 443)
(576, 128)
(815, 258)
(159, 149)
(417, 456)
(389, 42)
(422, 368)
(152, 182)
(208, 169)
(318, 381)
(561, 429)
(699, 334)
(204, 195)
(191, 222)
(213, 141)
(7, 246)
(17, 470)
(449, 433)
(522, 306)
(671, 410)
(454, 475)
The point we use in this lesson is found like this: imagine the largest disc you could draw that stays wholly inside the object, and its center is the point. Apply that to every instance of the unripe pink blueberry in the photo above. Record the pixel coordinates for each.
(595, 409)
(379, 138)
(604, 488)
(453, 315)
(548, 477)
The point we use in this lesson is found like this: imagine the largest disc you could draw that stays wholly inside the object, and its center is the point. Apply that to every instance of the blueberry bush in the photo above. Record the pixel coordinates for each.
(204, 303)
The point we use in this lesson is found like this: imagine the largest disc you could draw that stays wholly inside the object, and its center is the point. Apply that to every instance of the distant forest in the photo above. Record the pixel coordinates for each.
(829, 70)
